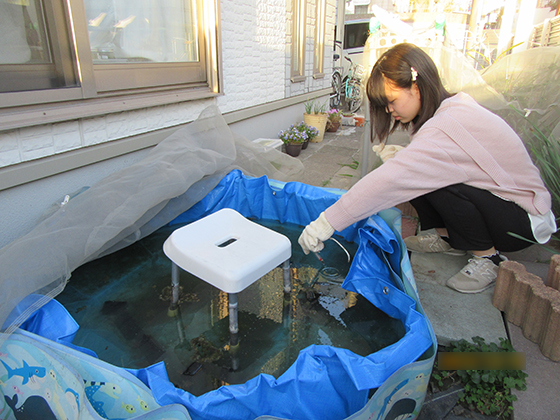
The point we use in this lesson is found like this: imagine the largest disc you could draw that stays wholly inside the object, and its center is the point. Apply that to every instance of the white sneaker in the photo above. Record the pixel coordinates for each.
(430, 242)
(478, 275)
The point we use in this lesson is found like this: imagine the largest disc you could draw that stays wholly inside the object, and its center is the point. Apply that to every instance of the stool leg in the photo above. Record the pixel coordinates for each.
(287, 276)
(286, 310)
(233, 321)
(233, 331)
(173, 308)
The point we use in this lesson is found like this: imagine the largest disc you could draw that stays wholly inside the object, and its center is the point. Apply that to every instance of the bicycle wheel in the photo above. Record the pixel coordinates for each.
(336, 82)
(354, 95)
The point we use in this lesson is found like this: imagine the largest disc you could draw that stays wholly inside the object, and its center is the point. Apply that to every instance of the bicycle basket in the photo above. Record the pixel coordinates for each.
(358, 71)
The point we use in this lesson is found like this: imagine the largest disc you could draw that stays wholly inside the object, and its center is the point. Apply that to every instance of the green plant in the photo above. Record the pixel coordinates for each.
(334, 116)
(309, 106)
(319, 108)
(486, 391)
(314, 107)
(549, 249)
(545, 152)
(353, 165)
(546, 156)
(298, 133)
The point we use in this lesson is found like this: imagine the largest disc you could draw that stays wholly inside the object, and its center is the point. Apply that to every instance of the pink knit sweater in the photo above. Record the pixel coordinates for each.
(462, 143)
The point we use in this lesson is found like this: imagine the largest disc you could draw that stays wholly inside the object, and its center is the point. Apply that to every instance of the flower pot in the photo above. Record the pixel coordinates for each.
(304, 145)
(319, 121)
(332, 127)
(293, 149)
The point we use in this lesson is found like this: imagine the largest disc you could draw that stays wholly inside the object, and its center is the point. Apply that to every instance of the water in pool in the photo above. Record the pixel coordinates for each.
(121, 303)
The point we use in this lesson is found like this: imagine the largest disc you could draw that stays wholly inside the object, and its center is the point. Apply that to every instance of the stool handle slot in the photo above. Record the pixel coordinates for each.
(227, 242)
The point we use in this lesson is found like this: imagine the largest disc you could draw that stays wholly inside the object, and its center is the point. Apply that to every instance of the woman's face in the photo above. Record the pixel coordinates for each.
(404, 104)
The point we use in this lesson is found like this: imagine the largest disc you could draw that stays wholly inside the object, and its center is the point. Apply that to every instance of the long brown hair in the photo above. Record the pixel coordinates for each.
(402, 64)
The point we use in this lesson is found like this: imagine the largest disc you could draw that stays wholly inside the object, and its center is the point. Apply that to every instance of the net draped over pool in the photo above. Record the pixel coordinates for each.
(324, 382)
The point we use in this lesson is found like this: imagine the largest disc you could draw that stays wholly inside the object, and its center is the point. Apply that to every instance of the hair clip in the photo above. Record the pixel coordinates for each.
(413, 73)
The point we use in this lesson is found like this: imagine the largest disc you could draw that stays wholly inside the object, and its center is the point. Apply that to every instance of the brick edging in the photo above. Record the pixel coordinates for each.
(531, 304)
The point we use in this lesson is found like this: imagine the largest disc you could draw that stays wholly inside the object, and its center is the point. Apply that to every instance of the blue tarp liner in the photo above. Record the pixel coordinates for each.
(324, 383)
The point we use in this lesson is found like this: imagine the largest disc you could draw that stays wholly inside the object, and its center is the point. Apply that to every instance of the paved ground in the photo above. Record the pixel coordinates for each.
(336, 163)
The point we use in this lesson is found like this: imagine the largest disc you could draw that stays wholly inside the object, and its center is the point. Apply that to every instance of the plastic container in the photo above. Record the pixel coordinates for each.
(227, 250)
(269, 144)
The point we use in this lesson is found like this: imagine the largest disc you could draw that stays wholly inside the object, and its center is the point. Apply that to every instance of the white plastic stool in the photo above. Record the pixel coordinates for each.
(230, 252)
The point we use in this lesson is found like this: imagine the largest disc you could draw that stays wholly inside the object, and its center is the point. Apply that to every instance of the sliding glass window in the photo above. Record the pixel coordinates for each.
(35, 47)
(53, 51)
(144, 43)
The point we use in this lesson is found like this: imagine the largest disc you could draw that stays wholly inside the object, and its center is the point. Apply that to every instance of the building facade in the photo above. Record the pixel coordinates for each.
(87, 87)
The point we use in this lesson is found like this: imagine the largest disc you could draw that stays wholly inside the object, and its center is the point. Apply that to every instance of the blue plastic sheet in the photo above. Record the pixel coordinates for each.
(325, 382)
(342, 378)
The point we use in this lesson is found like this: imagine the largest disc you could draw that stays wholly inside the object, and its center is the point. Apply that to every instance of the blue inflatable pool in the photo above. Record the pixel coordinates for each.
(43, 375)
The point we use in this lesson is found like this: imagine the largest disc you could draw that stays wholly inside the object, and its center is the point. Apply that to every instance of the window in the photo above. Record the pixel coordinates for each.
(33, 56)
(319, 50)
(298, 40)
(154, 41)
(54, 51)
(356, 34)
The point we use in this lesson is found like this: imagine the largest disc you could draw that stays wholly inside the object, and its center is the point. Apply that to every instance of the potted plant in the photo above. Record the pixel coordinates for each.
(296, 136)
(311, 132)
(334, 116)
(316, 116)
(347, 118)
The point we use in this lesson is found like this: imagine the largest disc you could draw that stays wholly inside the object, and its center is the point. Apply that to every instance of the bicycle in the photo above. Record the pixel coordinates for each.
(353, 92)
(336, 79)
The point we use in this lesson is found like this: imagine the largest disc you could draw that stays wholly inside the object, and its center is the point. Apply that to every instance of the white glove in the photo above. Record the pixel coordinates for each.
(386, 151)
(315, 233)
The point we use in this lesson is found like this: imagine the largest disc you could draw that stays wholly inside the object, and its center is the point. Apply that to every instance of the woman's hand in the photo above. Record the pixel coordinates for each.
(314, 234)
(386, 151)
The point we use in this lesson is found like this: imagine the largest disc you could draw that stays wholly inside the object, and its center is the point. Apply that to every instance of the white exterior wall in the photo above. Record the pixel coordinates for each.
(256, 71)
(26, 144)
(253, 52)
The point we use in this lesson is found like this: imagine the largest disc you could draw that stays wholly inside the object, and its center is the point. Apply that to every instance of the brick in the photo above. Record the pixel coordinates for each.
(538, 312)
(553, 279)
(11, 157)
(550, 343)
(531, 304)
(504, 284)
(521, 294)
(8, 141)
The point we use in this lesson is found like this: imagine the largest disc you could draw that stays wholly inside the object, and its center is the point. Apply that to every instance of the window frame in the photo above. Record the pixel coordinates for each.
(362, 26)
(299, 38)
(319, 42)
(22, 109)
(60, 49)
